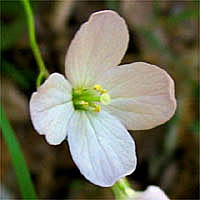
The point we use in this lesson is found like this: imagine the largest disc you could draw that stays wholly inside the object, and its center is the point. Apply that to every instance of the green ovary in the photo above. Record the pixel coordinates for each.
(90, 99)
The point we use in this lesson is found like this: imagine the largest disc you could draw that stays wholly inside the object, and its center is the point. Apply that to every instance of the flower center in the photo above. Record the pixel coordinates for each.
(90, 99)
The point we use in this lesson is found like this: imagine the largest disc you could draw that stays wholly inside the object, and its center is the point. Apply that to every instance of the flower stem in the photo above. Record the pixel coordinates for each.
(122, 190)
(43, 73)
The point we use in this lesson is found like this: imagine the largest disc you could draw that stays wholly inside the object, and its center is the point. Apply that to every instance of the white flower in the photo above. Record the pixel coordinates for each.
(92, 108)
(151, 193)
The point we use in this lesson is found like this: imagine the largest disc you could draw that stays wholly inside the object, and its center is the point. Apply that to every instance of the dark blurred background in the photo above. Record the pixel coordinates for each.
(164, 33)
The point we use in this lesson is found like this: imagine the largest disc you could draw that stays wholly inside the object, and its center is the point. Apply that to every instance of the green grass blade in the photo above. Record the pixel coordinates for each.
(19, 163)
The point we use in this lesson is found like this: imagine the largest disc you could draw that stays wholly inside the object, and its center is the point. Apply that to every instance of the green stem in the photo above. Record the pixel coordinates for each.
(122, 190)
(17, 157)
(36, 51)
(39, 80)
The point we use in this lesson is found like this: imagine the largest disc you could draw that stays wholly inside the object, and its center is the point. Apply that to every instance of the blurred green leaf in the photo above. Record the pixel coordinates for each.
(112, 4)
(23, 77)
(196, 89)
(10, 7)
(159, 160)
(195, 127)
(11, 32)
(156, 44)
(171, 136)
(156, 9)
(14, 24)
(154, 41)
(18, 161)
(186, 14)
(77, 184)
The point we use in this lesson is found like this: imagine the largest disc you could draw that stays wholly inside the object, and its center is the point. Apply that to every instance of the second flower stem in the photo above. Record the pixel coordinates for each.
(36, 51)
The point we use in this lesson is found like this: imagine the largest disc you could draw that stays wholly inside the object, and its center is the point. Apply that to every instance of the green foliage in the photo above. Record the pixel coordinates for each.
(154, 41)
(186, 14)
(23, 78)
(158, 161)
(19, 163)
(170, 141)
(11, 32)
(15, 25)
(195, 127)
(112, 4)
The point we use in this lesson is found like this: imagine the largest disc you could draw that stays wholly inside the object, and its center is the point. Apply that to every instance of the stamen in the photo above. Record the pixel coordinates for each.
(103, 91)
(98, 88)
(90, 99)
(97, 108)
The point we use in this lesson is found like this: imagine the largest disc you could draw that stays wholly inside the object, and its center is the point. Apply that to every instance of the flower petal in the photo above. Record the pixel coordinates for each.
(99, 45)
(151, 193)
(51, 108)
(101, 147)
(142, 95)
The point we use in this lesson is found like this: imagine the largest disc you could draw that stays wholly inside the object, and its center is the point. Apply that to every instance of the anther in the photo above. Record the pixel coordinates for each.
(103, 91)
(97, 108)
(98, 88)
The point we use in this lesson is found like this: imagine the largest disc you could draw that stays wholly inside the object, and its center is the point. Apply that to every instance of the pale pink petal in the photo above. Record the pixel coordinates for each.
(99, 45)
(101, 147)
(51, 108)
(142, 95)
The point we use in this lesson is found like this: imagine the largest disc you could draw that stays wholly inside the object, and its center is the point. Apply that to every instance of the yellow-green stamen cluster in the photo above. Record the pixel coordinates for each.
(90, 99)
